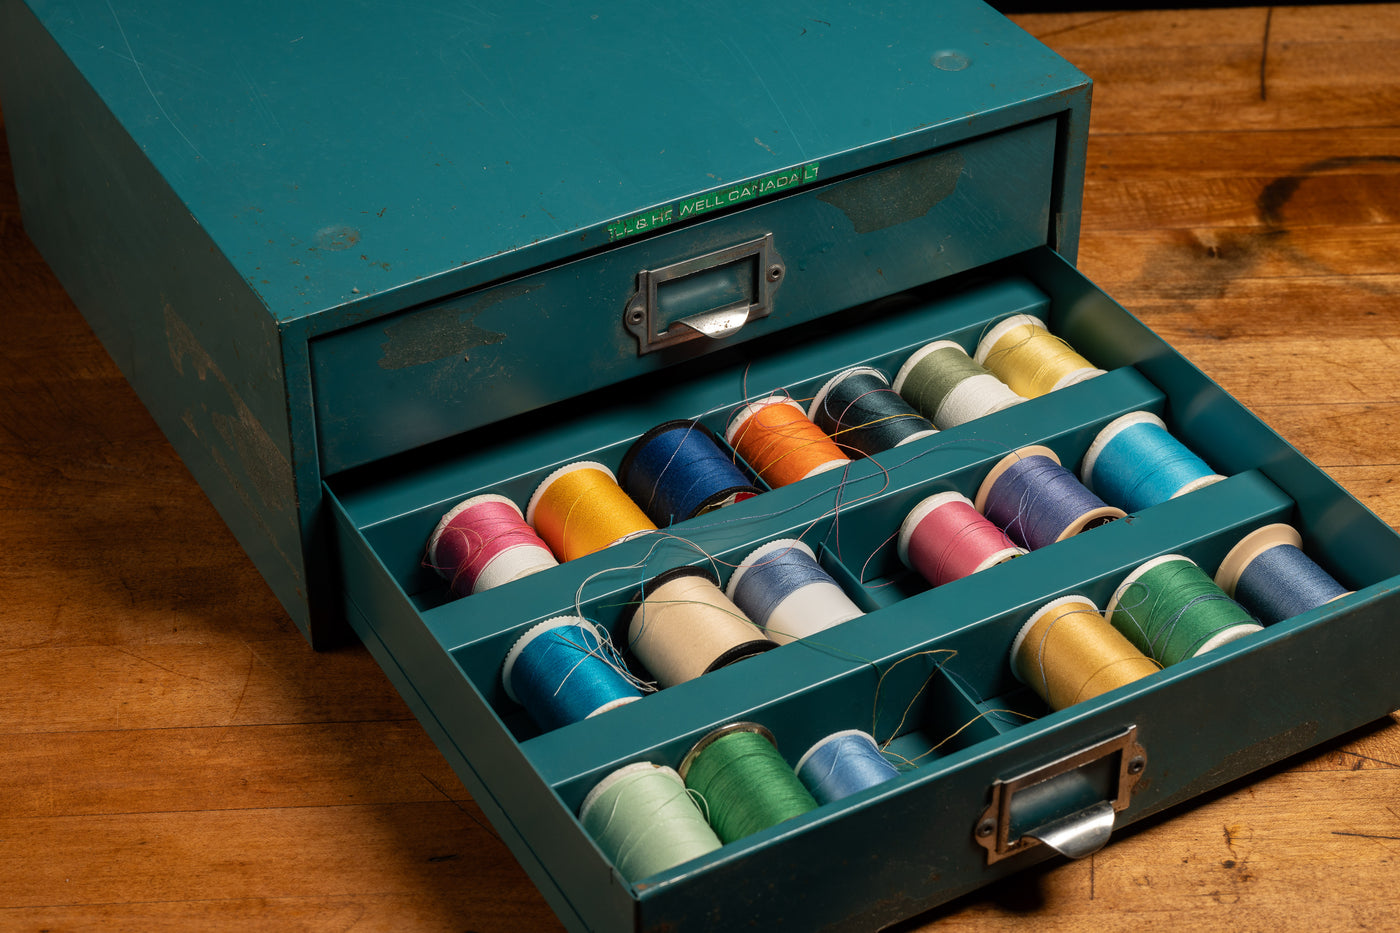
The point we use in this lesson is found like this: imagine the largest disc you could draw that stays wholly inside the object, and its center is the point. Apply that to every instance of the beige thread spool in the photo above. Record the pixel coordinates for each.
(1068, 653)
(1022, 353)
(685, 626)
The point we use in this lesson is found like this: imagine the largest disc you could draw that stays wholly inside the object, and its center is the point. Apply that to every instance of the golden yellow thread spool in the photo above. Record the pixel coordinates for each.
(686, 626)
(580, 508)
(1022, 352)
(781, 443)
(1067, 653)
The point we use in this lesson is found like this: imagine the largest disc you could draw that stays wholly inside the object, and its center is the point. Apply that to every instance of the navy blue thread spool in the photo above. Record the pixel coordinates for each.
(677, 470)
(842, 764)
(1135, 463)
(863, 415)
(564, 670)
(1038, 502)
(784, 591)
(1268, 573)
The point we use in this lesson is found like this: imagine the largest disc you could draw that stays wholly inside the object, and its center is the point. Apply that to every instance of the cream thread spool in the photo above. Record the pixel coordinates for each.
(685, 626)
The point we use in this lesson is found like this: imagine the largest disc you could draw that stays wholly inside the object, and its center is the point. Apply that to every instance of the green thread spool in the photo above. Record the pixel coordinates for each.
(644, 820)
(1171, 610)
(742, 781)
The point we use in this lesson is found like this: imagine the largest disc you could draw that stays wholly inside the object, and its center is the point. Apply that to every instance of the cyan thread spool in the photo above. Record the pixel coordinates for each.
(684, 626)
(677, 471)
(863, 415)
(580, 508)
(745, 784)
(645, 821)
(484, 542)
(1067, 653)
(782, 588)
(842, 764)
(1021, 351)
(945, 538)
(1039, 502)
(1268, 573)
(776, 438)
(950, 388)
(1171, 610)
(1135, 463)
(564, 670)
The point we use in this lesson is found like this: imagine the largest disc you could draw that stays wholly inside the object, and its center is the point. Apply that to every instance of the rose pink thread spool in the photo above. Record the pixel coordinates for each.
(483, 542)
(945, 538)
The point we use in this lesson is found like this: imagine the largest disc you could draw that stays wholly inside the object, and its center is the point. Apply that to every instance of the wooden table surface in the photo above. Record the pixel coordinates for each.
(177, 758)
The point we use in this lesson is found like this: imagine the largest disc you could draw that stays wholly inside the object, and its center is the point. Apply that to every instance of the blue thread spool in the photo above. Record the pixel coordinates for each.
(784, 591)
(677, 471)
(1268, 573)
(1037, 501)
(863, 415)
(565, 670)
(842, 764)
(1135, 463)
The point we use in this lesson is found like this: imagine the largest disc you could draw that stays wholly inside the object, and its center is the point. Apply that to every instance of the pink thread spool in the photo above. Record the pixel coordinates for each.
(945, 538)
(483, 542)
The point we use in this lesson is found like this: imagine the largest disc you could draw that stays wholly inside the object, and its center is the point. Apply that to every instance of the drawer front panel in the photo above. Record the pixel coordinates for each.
(436, 371)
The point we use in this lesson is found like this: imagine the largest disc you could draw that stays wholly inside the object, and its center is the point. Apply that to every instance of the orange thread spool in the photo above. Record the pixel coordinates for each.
(580, 508)
(781, 443)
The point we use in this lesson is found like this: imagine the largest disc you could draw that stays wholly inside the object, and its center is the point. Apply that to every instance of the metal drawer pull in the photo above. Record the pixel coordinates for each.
(713, 295)
(1069, 804)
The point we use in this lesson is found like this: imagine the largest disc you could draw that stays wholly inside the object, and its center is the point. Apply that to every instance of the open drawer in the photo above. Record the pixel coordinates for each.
(924, 669)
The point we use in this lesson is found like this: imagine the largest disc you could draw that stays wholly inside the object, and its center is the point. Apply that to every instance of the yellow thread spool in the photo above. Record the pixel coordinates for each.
(580, 508)
(1068, 653)
(686, 626)
(781, 443)
(1022, 352)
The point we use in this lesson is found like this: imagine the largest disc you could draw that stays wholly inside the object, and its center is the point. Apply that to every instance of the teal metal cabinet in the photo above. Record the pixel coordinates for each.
(362, 261)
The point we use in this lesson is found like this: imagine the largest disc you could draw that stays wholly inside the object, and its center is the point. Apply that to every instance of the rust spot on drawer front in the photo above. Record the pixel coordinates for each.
(446, 331)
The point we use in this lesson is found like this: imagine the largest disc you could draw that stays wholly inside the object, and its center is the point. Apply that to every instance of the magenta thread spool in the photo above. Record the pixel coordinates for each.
(485, 542)
(1039, 502)
(945, 538)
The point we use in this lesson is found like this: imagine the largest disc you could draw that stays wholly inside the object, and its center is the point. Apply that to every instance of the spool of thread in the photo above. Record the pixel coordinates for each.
(1038, 501)
(565, 670)
(842, 764)
(1268, 574)
(580, 508)
(685, 626)
(745, 784)
(644, 820)
(1022, 352)
(781, 443)
(1135, 463)
(945, 538)
(677, 471)
(1067, 653)
(859, 411)
(484, 542)
(782, 589)
(949, 387)
(1170, 610)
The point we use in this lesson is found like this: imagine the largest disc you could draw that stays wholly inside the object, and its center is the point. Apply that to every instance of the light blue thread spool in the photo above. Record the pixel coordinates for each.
(564, 670)
(1268, 573)
(784, 591)
(842, 764)
(1135, 463)
(1038, 502)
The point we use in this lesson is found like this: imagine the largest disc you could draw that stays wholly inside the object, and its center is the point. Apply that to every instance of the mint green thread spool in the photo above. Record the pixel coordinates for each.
(1171, 610)
(645, 821)
(742, 781)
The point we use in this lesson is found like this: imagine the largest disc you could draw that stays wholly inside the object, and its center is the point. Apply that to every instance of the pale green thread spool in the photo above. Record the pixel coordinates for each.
(745, 784)
(645, 821)
(1171, 610)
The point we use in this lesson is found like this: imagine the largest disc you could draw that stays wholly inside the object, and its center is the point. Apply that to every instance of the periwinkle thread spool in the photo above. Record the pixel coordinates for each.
(580, 508)
(1068, 653)
(784, 591)
(684, 626)
(565, 670)
(1021, 351)
(677, 471)
(1170, 610)
(645, 821)
(1268, 573)
(863, 415)
(484, 542)
(1039, 502)
(745, 784)
(781, 443)
(945, 538)
(842, 764)
(1135, 463)
(949, 387)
